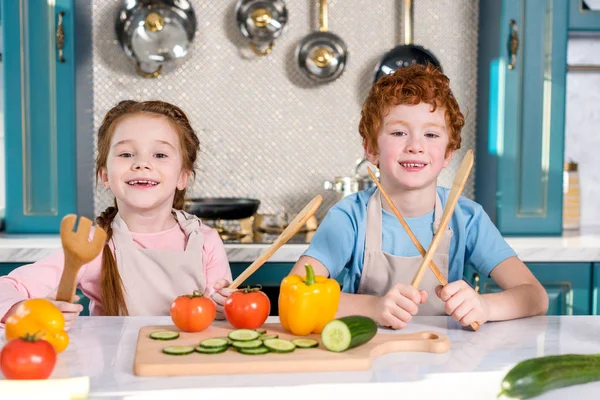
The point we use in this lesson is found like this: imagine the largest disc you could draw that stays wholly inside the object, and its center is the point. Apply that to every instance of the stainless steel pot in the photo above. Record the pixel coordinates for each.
(153, 32)
(322, 56)
(347, 185)
(261, 22)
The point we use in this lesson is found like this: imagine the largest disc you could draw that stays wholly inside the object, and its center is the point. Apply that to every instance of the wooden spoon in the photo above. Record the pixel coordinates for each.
(78, 251)
(294, 226)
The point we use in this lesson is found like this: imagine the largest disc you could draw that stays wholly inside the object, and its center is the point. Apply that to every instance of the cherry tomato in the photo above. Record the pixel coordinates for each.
(193, 312)
(27, 358)
(247, 308)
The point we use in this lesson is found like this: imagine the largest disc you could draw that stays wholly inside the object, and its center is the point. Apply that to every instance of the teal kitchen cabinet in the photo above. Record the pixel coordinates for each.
(569, 286)
(583, 16)
(39, 100)
(521, 114)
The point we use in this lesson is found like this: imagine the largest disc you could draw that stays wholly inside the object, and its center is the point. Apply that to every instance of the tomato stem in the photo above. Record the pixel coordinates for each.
(250, 289)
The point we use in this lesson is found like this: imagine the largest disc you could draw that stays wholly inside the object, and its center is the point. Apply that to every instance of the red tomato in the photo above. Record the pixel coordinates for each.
(247, 309)
(27, 358)
(193, 312)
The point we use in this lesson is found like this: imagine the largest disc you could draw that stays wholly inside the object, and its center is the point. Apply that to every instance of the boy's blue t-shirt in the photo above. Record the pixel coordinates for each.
(339, 241)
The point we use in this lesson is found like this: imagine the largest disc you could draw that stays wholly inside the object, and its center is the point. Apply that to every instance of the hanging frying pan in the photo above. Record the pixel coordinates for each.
(405, 54)
(322, 55)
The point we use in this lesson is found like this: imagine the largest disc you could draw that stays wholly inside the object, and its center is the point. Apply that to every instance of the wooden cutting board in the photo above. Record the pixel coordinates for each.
(150, 361)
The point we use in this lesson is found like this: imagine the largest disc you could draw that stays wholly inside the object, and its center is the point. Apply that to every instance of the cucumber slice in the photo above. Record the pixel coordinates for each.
(214, 342)
(255, 350)
(164, 335)
(269, 336)
(261, 331)
(243, 335)
(305, 343)
(279, 345)
(347, 332)
(249, 344)
(211, 350)
(178, 350)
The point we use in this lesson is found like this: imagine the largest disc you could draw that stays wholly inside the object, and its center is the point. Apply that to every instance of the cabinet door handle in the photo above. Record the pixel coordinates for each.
(60, 37)
(513, 44)
(476, 281)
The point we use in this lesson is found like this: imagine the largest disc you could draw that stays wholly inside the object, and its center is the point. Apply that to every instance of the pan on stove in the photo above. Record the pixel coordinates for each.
(322, 55)
(227, 208)
(406, 54)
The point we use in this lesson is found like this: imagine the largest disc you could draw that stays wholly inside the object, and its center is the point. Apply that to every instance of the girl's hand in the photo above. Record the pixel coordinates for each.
(398, 306)
(463, 304)
(222, 292)
(69, 310)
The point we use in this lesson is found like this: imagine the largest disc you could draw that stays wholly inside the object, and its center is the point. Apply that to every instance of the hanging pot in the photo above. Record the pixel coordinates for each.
(322, 55)
(153, 32)
(261, 22)
(405, 54)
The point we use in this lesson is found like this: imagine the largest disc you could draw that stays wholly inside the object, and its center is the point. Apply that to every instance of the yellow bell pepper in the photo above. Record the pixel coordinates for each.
(41, 318)
(307, 304)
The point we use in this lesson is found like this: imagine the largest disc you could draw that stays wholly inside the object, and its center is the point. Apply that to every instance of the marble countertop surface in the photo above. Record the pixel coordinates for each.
(103, 348)
(573, 246)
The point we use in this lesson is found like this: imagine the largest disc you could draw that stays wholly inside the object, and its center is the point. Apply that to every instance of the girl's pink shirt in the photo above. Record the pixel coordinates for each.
(41, 278)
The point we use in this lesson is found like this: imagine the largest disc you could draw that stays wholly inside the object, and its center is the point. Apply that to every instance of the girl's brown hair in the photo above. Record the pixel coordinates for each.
(411, 85)
(113, 299)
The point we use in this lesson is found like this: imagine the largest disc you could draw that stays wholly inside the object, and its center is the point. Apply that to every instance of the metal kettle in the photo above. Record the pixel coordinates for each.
(347, 185)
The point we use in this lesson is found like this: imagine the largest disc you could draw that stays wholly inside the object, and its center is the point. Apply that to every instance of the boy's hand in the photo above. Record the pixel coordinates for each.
(398, 306)
(69, 310)
(222, 292)
(463, 304)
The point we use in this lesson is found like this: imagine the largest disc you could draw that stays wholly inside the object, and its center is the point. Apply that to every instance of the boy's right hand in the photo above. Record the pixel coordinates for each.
(398, 306)
(69, 310)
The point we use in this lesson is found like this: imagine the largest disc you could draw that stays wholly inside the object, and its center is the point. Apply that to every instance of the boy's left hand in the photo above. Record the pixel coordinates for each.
(222, 292)
(463, 304)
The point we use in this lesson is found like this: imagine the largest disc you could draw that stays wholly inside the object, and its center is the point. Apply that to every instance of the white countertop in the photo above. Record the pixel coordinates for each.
(572, 246)
(103, 349)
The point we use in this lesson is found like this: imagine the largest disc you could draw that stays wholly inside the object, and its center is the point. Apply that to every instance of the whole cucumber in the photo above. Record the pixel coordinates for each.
(530, 378)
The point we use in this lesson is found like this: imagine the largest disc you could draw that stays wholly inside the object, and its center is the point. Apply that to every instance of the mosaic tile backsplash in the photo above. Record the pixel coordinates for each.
(267, 132)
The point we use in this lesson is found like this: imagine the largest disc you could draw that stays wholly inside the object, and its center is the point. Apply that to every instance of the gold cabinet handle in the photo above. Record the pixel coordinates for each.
(60, 37)
(513, 44)
(476, 281)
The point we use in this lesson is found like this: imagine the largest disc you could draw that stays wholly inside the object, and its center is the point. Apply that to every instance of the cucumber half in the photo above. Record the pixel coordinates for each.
(279, 345)
(178, 350)
(164, 335)
(211, 350)
(347, 332)
(243, 335)
(305, 343)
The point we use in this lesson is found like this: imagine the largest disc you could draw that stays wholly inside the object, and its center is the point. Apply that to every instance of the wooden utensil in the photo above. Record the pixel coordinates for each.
(457, 187)
(294, 226)
(150, 361)
(412, 236)
(78, 251)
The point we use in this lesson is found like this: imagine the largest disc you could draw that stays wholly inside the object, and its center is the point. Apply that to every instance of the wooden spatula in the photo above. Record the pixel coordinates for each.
(294, 226)
(78, 251)
(455, 191)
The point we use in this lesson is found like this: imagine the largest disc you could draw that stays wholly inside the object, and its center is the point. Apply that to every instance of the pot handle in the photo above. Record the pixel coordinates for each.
(323, 20)
(408, 22)
(60, 36)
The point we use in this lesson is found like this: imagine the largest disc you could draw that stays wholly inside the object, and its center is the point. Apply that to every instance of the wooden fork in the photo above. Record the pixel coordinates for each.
(78, 251)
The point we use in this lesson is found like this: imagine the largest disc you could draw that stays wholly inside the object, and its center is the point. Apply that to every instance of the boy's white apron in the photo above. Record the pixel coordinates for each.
(152, 278)
(381, 271)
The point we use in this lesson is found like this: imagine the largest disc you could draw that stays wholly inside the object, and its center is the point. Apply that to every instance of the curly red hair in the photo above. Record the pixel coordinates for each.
(411, 85)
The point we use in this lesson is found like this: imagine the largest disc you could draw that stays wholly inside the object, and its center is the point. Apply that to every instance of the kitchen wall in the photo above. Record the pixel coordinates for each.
(265, 131)
(582, 124)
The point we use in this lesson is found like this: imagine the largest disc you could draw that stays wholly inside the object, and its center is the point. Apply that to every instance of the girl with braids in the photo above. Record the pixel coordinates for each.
(154, 251)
